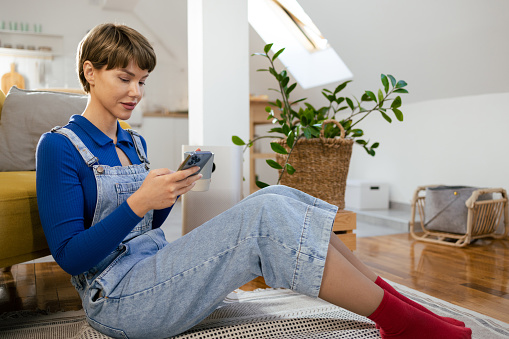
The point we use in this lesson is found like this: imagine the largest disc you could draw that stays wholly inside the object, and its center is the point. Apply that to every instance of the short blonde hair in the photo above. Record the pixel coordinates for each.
(113, 46)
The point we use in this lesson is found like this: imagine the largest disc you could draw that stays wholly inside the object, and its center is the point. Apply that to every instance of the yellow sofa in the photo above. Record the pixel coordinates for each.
(24, 116)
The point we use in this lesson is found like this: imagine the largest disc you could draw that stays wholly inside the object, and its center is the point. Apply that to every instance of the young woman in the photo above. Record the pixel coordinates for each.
(101, 209)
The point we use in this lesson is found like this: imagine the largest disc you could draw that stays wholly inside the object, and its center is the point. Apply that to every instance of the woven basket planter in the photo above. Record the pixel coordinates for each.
(321, 166)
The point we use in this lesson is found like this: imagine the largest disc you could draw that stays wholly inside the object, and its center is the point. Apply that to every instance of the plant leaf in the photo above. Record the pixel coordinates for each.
(350, 103)
(290, 169)
(401, 84)
(261, 184)
(357, 132)
(273, 164)
(398, 114)
(238, 141)
(290, 140)
(307, 133)
(380, 97)
(396, 103)
(375, 145)
(371, 95)
(286, 129)
(296, 101)
(393, 80)
(400, 90)
(386, 117)
(277, 54)
(291, 88)
(285, 81)
(341, 86)
(278, 148)
(385, 82)
(267, 48)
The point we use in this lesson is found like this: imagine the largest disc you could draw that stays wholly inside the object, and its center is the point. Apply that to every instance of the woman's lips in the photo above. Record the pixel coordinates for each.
(129, 105)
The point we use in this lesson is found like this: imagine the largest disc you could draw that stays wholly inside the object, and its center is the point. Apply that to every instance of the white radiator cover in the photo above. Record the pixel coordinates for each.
(225, 187)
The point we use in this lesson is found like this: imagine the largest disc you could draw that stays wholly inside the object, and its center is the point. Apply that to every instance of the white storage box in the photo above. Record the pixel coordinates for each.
(365, 195)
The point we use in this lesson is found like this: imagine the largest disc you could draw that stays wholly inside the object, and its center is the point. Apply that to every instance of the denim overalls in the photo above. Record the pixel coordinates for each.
(149, 288)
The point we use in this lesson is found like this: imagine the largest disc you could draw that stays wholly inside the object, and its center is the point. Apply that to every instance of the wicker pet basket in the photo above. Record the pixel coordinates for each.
(321, 166)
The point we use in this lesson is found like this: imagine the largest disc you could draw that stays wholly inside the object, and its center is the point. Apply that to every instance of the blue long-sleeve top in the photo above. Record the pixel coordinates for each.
(67, 194)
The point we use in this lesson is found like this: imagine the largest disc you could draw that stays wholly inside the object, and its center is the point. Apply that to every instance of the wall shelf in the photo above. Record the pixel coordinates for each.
(25, 53)
(36, 40)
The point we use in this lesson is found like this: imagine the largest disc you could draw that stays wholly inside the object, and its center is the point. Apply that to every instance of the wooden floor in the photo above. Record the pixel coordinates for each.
(476, 277)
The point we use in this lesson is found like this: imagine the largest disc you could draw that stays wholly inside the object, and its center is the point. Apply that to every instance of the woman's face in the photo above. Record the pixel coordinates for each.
(117, 91)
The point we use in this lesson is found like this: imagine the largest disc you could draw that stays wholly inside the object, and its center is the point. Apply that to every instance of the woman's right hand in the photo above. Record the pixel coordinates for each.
(161, 188)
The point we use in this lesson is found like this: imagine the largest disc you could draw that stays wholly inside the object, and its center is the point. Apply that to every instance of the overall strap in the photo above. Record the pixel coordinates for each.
(138, 145)
(85, 153)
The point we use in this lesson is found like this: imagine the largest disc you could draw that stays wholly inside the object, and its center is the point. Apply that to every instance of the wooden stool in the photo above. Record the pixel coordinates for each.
(344, 224)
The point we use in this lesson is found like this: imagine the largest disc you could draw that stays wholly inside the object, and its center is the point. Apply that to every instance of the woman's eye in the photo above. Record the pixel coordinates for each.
(142, 83)
(124, 80)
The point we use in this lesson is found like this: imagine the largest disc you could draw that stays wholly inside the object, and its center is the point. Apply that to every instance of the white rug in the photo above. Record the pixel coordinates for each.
(270, 313)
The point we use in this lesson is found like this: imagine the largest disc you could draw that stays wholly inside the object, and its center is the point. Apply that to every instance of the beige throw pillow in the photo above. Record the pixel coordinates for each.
(26, 115)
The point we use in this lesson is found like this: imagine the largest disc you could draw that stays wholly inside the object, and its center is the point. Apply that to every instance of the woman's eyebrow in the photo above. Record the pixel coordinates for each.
(131, 73)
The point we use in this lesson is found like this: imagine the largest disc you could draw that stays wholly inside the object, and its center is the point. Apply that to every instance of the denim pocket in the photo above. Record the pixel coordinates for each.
(109, 331)
(124, 191)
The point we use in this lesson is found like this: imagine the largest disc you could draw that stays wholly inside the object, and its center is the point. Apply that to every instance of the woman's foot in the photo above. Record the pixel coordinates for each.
(398, 319)
(383, 284)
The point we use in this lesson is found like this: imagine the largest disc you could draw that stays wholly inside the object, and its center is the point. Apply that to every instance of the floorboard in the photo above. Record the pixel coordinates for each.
(475, 277)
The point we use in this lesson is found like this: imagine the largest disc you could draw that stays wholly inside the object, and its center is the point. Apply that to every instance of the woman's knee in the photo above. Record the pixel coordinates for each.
(278, 190)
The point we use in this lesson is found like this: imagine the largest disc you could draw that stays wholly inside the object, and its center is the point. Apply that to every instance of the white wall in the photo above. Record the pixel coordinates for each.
(453, 54)
(455, 141)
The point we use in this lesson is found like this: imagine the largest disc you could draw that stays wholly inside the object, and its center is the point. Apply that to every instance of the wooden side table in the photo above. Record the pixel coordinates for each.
(344, 224)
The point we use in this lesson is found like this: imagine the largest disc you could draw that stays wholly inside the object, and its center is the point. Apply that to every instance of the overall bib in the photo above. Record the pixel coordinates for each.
(149, 288)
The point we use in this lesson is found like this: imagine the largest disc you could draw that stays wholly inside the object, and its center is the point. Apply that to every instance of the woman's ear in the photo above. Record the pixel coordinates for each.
(88, 72)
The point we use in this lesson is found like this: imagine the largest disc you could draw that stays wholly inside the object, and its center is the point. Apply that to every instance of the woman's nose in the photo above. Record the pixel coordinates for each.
(135, 90)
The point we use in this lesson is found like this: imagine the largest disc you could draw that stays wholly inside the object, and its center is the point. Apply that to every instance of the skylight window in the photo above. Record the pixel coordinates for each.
(308, 55)
(302, 24)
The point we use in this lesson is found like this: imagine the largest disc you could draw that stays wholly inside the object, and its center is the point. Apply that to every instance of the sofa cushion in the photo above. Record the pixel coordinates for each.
(26, 115)
(21, 234)
(2, 99)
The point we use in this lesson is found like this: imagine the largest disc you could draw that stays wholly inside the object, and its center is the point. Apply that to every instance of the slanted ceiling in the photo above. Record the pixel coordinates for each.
(120, 5)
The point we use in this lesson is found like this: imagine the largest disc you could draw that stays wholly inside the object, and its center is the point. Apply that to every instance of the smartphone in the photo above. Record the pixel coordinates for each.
(196, 158)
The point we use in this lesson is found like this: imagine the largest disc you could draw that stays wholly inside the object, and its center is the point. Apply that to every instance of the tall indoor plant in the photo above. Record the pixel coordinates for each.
(300, 123)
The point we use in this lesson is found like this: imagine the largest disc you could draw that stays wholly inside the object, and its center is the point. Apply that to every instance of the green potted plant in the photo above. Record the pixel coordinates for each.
(299, 123)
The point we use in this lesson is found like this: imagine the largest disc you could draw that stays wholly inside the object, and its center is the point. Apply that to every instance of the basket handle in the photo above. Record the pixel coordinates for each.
(322, 132)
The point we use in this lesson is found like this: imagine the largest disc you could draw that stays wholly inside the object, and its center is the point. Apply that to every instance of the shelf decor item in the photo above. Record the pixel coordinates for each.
(313, 146)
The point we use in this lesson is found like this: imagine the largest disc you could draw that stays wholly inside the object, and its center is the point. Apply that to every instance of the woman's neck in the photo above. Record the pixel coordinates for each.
(102, 120)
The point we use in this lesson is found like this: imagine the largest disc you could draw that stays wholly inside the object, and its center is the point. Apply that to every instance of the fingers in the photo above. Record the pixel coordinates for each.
(160, 171)
(181, 175)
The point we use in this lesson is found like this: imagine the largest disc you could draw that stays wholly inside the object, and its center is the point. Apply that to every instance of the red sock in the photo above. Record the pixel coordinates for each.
(398, 319)
(383, 284)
